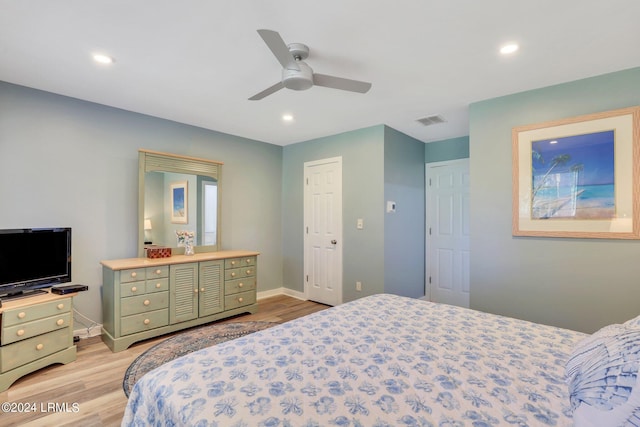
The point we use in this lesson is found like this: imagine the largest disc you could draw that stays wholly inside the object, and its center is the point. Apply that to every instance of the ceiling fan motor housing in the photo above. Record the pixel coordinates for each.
(298, 79)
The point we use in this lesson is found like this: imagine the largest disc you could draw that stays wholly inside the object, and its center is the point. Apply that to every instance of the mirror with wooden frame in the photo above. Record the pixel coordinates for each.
(178, 193)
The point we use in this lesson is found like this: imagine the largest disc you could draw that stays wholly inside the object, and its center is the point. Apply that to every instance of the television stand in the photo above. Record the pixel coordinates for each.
(23, 294)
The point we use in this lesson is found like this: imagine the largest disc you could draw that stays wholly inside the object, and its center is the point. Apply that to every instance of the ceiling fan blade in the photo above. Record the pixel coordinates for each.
(340, 83)
(279, 49)
(268, 91)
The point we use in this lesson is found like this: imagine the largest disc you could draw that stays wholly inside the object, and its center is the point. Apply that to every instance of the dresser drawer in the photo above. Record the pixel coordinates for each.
(157, 272)
(239, 300)
(144, 321)
(133, 275)
(144, 303)
(239, 262)
(23, 352)
(130, 289)
(239, 285)
(157, 285)
(16, 316)
(237, 273)
(37, 327)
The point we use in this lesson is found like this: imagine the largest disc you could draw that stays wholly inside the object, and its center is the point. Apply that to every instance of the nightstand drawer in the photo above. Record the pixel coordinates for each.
(23, 352)
(16, 316)
(144, 303)
(132, 275)
(239, 285)
(142, 322)
(239, 300)
(37, 327)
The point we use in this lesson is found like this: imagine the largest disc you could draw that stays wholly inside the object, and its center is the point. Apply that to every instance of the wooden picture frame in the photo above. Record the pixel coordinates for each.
(179, 202)
(578, 177)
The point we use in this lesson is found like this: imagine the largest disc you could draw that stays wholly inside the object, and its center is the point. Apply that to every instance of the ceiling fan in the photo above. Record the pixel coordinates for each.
(296, 74)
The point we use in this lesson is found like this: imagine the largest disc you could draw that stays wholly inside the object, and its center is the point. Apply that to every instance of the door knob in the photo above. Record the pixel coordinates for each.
(334, 242)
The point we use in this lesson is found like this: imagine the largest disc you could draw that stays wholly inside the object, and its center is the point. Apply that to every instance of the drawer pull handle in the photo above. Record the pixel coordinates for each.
(39, 347)
(60, 306)
(134, 289)
(195, 290)
(248, 271)
(134, 274)
(60, 322)
(146, 302)
(240, 285)
(158, 285)
(248, 260)
(233, 274)
(201, 289)
(20, 332)
(158, 271)
(22, 315)
(146, 321)
(240, 299)
(233, 263)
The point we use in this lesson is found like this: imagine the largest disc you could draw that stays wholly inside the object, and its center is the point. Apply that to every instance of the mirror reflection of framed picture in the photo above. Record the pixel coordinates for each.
(578, 177)
(179, 202)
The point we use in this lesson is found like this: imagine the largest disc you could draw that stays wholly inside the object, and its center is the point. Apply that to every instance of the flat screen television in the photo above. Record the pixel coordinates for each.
(32, 259)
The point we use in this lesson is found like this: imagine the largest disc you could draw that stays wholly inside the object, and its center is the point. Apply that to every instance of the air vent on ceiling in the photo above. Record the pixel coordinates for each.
(431, 120)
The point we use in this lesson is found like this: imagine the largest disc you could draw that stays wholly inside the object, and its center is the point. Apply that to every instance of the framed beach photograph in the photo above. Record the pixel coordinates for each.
(179, 202)
(578, 177)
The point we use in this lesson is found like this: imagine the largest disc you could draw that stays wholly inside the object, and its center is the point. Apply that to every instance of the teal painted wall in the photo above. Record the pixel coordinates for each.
(580, 284)
(65, 162)
(404, 237)
(362, 155)
(447, 149)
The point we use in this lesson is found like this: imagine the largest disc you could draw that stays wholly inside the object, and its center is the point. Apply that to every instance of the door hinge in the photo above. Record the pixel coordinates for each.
(429, 279)
(429, 182)
(429, 231)
(307, 179)
(307, 277)
(307, 229)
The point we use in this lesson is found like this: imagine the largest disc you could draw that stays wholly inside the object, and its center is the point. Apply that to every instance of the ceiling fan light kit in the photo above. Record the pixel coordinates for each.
(296, 74)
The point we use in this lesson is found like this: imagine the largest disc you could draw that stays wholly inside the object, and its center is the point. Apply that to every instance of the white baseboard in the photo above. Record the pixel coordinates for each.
(281, 291)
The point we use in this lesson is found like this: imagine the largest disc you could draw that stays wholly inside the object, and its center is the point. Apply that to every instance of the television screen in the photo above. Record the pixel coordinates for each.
(34, 258)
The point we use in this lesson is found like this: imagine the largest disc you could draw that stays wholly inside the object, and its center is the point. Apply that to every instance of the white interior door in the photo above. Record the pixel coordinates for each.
(448, 253)
(323, 230)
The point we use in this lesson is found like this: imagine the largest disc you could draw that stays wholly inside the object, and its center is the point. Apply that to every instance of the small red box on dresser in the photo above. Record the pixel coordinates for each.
(157, 252)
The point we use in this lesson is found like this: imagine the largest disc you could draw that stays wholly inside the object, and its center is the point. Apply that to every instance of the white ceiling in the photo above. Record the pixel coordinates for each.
(197, 61)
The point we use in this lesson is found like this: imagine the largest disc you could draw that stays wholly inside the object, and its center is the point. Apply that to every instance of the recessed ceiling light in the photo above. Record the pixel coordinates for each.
(287, 117)
(509, 48)
(103, 59)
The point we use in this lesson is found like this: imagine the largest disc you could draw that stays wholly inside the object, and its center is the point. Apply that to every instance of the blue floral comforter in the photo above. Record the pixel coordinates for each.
(382, 360)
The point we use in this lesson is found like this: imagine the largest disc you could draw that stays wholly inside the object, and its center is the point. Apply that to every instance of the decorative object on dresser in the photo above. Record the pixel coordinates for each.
(35, 332)
(153, 251)
(143, 298)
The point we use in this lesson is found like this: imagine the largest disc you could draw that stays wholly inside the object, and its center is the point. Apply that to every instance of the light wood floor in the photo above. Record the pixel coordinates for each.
(94, 381)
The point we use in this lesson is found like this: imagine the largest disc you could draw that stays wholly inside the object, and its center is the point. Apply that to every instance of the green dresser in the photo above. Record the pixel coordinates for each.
(144, 298)
(35, 332)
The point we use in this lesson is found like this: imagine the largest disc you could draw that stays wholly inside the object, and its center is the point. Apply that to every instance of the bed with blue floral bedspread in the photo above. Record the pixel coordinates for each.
(382, 360)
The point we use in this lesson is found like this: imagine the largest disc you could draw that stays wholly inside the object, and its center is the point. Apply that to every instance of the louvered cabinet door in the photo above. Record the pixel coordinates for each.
(183, 292)
(211, 291)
